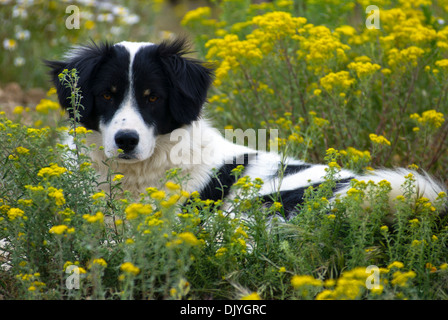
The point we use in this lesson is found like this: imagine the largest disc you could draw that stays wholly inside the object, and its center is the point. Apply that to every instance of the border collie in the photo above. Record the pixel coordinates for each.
(146, 99)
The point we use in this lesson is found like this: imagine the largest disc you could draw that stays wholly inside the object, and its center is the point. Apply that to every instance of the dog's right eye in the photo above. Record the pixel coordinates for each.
(107, 96)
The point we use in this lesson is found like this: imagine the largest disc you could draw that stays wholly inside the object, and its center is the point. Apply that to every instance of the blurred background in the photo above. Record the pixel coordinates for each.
(34, 30)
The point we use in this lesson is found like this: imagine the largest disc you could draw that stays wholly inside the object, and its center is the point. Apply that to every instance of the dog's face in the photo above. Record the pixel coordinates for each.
(133, 92)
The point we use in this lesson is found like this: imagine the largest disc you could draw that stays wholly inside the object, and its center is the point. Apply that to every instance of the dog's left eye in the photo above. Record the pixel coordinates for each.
(153, 98)
(107, 96)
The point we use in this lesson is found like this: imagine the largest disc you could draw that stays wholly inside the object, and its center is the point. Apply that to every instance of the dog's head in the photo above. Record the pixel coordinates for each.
(132, 92)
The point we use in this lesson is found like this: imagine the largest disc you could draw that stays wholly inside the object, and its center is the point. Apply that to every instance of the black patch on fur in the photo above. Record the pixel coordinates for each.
(97, 65)
(290, 199)
(293, 169)
(180, 84)
(221, 182)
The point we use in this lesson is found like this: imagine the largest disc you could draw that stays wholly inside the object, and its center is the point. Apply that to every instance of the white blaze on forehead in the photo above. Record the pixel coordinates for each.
(133, 47)
(128, 116)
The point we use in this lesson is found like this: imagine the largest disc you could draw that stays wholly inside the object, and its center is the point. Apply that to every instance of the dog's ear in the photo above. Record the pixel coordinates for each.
(85, 59)
(190, 80)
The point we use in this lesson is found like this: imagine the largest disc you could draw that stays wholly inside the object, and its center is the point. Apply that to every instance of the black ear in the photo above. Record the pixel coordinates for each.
(85, 59)
(190, 80)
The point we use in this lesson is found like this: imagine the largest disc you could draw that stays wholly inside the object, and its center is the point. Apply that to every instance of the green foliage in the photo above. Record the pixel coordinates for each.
(58, 222)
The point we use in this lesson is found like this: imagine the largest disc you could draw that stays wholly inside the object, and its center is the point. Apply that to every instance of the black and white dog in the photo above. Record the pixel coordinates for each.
(146, 99)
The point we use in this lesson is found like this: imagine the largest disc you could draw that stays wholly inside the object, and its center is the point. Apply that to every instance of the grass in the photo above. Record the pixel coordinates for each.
(365, 98)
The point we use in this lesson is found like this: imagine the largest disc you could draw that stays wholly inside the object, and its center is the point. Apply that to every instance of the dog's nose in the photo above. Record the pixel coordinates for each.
(126, 140)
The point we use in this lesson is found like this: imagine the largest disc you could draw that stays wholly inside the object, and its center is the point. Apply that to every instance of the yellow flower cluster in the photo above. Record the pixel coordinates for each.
(399, 59)
(378, 139)
(196, 15)
(364, 69)
(430, 118)
(319, 45)
(22, 150)
(60, 229)
(305, 280)
(340, 81)
(57, 195)
(134, 210)
(46, 105)
(13, 213)
(97, 217)
(99, 262)
(80, 130)
(189, 238)
(129, 268)
(232, 51)
(276, 25)
(52, 171)
(251, 296)
(354, 155)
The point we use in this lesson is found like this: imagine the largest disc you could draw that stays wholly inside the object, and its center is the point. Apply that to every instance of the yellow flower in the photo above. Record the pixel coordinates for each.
(22, 150)
(98, 217)
(396, 264)
(80, 130)
(45, 105)
(220, 252)
(158, 195)
(13, 213)
(252, 296)
(89, 25)
(18, 110)
(414, 222)
(129, 268)
(98, 195)
(118, 177)
(195, 15)
(379, 139)
(318, 46)
(52, 171)
(398, 59)
(401, 278)
(172, 186)
(135, 209)
(58, 195)
(429, 118)
(189, 238)
(306, 280)
(334, 165)
(172, 200)
(364, 69)
(100, 262)
(60, 229)
(338, 81)
(51, 91)
(276, 206)
(9, 44)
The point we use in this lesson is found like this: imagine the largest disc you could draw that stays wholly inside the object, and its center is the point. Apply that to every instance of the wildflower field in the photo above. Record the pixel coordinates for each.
(337, 92)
